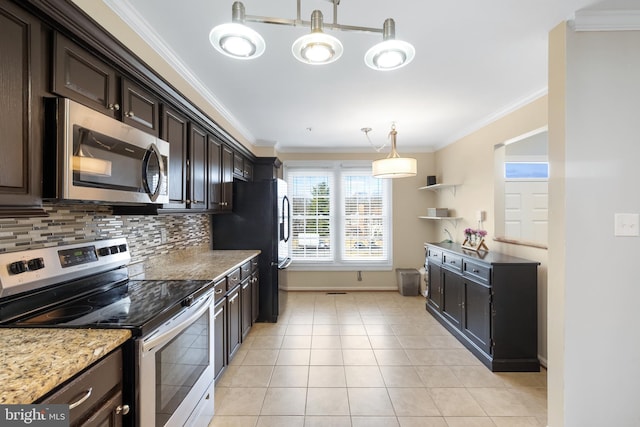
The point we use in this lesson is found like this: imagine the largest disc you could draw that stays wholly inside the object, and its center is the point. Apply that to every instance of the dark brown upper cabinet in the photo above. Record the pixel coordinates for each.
(81, 76)
(197, 167)
(140, 108)
(175, 132)
(215, 175)
(226, 196)
(21, 66)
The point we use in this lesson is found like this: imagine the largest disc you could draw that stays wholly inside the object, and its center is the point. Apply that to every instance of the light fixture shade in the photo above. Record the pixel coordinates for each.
(237, 41)
(389, 55)
(317, 49)
(394, 167)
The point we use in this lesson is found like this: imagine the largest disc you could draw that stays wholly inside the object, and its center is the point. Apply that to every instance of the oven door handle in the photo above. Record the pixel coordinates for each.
(161, 336)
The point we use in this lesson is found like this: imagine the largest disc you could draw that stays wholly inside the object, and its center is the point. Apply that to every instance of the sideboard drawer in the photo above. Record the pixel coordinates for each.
(452, 261)
(434, 255)
(479, 272)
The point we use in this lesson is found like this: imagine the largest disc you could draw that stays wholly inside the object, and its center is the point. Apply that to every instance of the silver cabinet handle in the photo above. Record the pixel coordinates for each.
(80, 401)
(113, 107)
(122, 410)
(129, 114)
(233, 300)
(219, 291)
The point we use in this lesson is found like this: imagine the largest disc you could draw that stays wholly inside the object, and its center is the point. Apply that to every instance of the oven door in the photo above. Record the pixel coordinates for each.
(175, 383)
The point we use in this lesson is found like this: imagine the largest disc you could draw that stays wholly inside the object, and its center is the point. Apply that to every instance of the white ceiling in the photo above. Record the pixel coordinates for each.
(475, 60)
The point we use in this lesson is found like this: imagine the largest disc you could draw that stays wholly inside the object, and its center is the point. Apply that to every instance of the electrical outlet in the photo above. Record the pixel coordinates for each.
(627, 224)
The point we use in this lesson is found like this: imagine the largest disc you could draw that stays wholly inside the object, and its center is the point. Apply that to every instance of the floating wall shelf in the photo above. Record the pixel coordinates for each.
(436, 187)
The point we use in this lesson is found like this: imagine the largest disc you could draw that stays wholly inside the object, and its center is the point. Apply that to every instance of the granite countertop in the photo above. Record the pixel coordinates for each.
(33, 361)
(197, 263)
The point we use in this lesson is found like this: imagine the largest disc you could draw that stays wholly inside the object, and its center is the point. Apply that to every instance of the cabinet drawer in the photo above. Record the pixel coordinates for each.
(245, 270)
(233, 278)
(479, 272)
(94, 385)
(220, 288)
(434, 255)
(452, 261)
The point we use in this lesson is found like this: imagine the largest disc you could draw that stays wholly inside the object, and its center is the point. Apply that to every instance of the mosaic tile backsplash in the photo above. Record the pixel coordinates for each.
(147, 235)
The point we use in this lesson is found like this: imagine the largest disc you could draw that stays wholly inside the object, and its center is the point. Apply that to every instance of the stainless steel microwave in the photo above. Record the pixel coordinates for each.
(90, 157)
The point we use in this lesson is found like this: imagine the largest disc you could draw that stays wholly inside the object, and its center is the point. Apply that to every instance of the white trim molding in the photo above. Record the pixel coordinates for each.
(606, 20)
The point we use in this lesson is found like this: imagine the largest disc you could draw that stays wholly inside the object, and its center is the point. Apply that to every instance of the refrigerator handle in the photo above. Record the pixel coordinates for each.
(285, 201)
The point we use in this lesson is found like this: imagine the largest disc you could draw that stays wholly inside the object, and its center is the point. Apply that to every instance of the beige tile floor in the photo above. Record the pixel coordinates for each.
(374, 359)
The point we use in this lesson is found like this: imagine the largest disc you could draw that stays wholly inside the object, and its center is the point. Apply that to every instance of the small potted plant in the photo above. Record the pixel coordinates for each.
(474, 239)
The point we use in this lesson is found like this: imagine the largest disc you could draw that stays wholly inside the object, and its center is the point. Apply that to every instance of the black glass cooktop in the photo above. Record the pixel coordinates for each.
(139, 305)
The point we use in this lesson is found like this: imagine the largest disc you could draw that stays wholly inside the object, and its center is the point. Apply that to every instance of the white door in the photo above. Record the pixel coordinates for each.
(526, 205)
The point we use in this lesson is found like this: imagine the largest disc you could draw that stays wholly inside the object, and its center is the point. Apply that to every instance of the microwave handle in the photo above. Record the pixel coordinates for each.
(167, 335)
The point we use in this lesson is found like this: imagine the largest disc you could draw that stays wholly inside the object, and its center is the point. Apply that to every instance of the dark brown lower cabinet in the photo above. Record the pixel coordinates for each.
(99, 389)
(234, 313)
(220, 337)
(245, 301)
(488, 301)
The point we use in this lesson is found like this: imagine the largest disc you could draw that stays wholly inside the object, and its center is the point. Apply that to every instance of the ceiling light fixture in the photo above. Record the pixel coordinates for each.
(236, 40)
(394, 166)
(241, 42)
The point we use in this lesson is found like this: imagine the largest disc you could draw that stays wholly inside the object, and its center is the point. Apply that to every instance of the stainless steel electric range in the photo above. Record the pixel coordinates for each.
(168, 375)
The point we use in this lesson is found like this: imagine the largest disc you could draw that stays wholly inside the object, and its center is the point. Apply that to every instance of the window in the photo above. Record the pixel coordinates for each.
(340, 217)
(524, 170)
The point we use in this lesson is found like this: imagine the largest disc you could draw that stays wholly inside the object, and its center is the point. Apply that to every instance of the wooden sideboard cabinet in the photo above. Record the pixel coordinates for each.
(488, 301)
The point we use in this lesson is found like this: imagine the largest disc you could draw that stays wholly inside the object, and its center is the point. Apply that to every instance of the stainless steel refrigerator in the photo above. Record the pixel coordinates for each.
(259, 220)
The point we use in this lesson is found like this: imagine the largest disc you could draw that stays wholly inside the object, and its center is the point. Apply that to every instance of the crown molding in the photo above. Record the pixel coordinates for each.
(138, 24)
(606, 20)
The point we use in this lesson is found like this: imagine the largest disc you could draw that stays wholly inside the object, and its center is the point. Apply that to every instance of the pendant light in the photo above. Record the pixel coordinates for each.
(394, 166)
(236, 40)
(390, 54)
(317, 47)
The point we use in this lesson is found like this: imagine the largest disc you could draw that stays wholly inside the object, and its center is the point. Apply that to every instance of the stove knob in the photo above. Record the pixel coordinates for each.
(104, 252)
(123, 248)
(187, 301)
(113, 249)
(35, 264)
(18, 267)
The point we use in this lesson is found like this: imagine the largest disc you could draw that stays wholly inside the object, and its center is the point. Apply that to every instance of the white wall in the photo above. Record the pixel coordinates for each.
(601, 347)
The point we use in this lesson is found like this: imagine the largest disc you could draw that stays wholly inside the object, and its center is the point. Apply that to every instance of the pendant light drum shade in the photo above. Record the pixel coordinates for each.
(394, 167)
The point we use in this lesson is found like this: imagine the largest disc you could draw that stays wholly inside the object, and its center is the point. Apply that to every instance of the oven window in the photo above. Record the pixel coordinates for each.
(179, 365)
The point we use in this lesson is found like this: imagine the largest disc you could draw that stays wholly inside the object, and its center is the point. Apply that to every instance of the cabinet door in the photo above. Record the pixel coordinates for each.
(109, 414)
(238, 165)
(452, 297)
(435, 286)
(197, 168)
(234, 312)
(140, 109)
(80, 76)
(20, 163)
(174, 131)
(248, 170)
(476, 314)
(255, 296)
(215, 174)
(220, 331)
(245, 300)
(227, 179)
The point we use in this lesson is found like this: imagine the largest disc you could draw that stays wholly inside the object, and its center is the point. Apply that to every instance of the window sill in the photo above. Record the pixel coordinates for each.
(301, 266)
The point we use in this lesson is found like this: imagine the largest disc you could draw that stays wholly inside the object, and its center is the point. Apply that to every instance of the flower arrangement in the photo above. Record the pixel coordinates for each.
(474, 239)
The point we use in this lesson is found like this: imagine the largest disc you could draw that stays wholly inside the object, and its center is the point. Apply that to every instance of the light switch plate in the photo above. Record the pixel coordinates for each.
(627, 224)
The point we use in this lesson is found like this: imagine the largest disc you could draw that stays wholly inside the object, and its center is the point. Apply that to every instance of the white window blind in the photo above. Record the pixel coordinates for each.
(341, 217)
